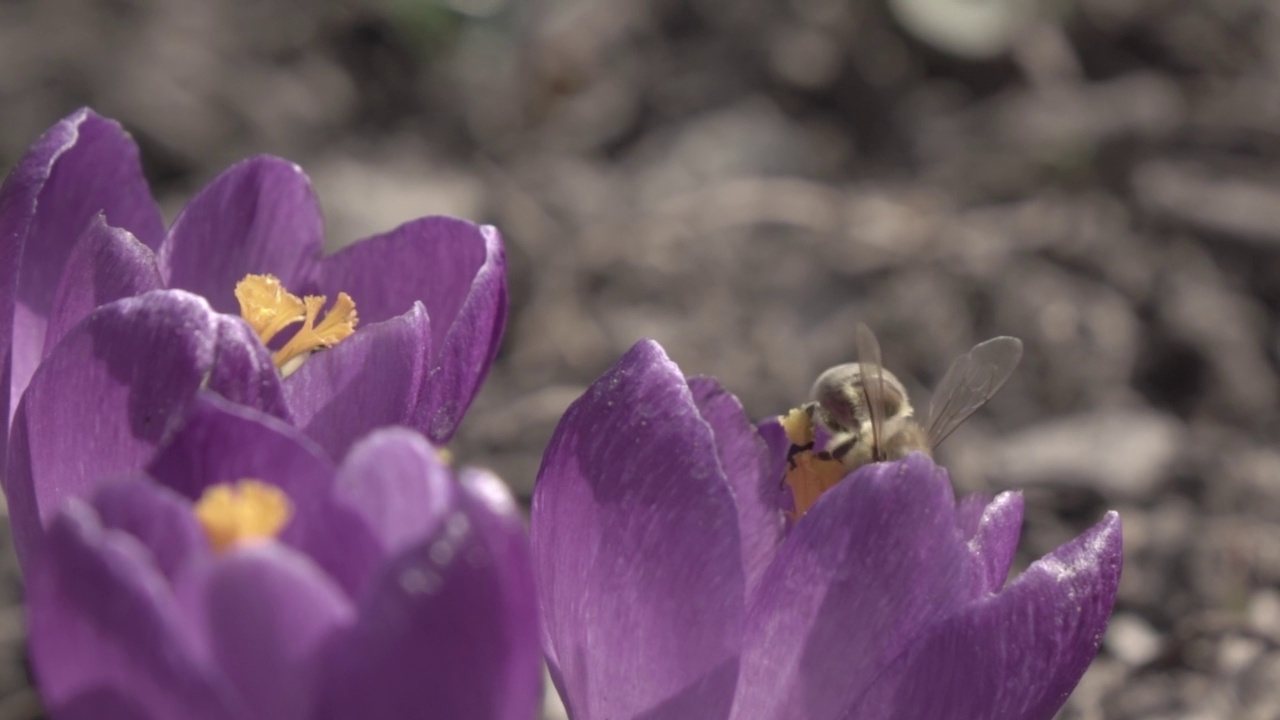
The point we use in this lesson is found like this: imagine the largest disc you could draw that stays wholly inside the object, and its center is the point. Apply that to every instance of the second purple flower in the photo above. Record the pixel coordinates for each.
(79, 228)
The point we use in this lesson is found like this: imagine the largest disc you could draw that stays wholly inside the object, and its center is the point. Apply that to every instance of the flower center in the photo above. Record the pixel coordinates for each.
(808, 473)
(269, 308)
(245, 512)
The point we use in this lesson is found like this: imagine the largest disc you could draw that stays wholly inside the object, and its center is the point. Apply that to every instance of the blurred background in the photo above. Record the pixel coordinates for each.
(744, 179)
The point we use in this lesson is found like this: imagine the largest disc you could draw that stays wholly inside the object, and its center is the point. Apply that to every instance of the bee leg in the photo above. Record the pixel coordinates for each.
(838, 452)
(796, 450)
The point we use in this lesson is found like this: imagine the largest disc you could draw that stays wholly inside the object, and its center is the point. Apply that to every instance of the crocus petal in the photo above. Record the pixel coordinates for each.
(259, 216)
(82, 166)
(775, 438)
(372, 379)
(969, 512)
(458, 271)
(491, 505)
(159, 519)
(754, 472)
(270, 612)
(875, 561)
(106, 264)
(635, 536)
(103, 704)
(163, 523)
(995, 540)
(447, 629)
(108, 395)
(102, 621)
(1016, 655)
(396, 482)
(222, 442)
(240, 355)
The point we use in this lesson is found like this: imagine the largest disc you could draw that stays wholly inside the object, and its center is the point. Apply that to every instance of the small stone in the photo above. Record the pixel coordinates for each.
(967, 29)
(1132, 639)
(1264, 612)
(1236, 653)
(1117, 451)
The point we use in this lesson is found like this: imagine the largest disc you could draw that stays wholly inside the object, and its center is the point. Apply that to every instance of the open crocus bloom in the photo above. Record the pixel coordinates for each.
(79, 228)
(671, 585)
(245, 577)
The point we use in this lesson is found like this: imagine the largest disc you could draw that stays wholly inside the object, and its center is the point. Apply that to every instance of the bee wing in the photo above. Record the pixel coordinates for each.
(970, 382)
(872, 378)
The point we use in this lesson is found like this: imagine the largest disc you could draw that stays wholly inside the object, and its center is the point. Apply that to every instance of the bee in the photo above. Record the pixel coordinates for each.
(865, 411)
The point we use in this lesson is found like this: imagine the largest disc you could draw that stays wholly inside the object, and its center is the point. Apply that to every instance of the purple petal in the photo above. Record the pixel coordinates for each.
(19, 199)
(370, 380)
(222, 442)
(636, 544)
(458, 271)
(875, 561)
(103, 704)
(102, 621)
(771, 432)
(448, 628)
(163, 522)
(969, 512)
(433, 260)
(259, 216)
(270, 612)
(82, 166)
(158, 518)
(241, 356)
(106, 264)
(490, 503)
(395, 481)
(113, 390)
(1014, 655)
(995, 540)
(754, 472)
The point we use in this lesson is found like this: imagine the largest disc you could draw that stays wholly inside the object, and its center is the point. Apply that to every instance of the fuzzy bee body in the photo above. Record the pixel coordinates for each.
(868, 417)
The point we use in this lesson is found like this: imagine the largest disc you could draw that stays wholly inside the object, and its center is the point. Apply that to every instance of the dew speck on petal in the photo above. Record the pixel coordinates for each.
(457, 525)
(419, 581)
(442, 551)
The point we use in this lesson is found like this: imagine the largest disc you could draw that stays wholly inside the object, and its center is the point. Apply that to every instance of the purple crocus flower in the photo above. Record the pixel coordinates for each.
(79, 228)
(245, 577)
(672, 586)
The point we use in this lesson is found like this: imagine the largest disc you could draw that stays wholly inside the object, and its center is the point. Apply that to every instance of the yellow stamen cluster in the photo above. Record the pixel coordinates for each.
(245, 512)
(807, 475)
(269, 308)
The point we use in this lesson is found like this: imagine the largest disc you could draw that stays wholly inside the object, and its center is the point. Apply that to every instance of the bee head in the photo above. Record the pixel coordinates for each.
(843, 392)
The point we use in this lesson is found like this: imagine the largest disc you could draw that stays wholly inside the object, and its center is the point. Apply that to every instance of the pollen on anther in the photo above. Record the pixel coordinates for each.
(338, 324)
(244, 512)
(269, 308)
(807, 474)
